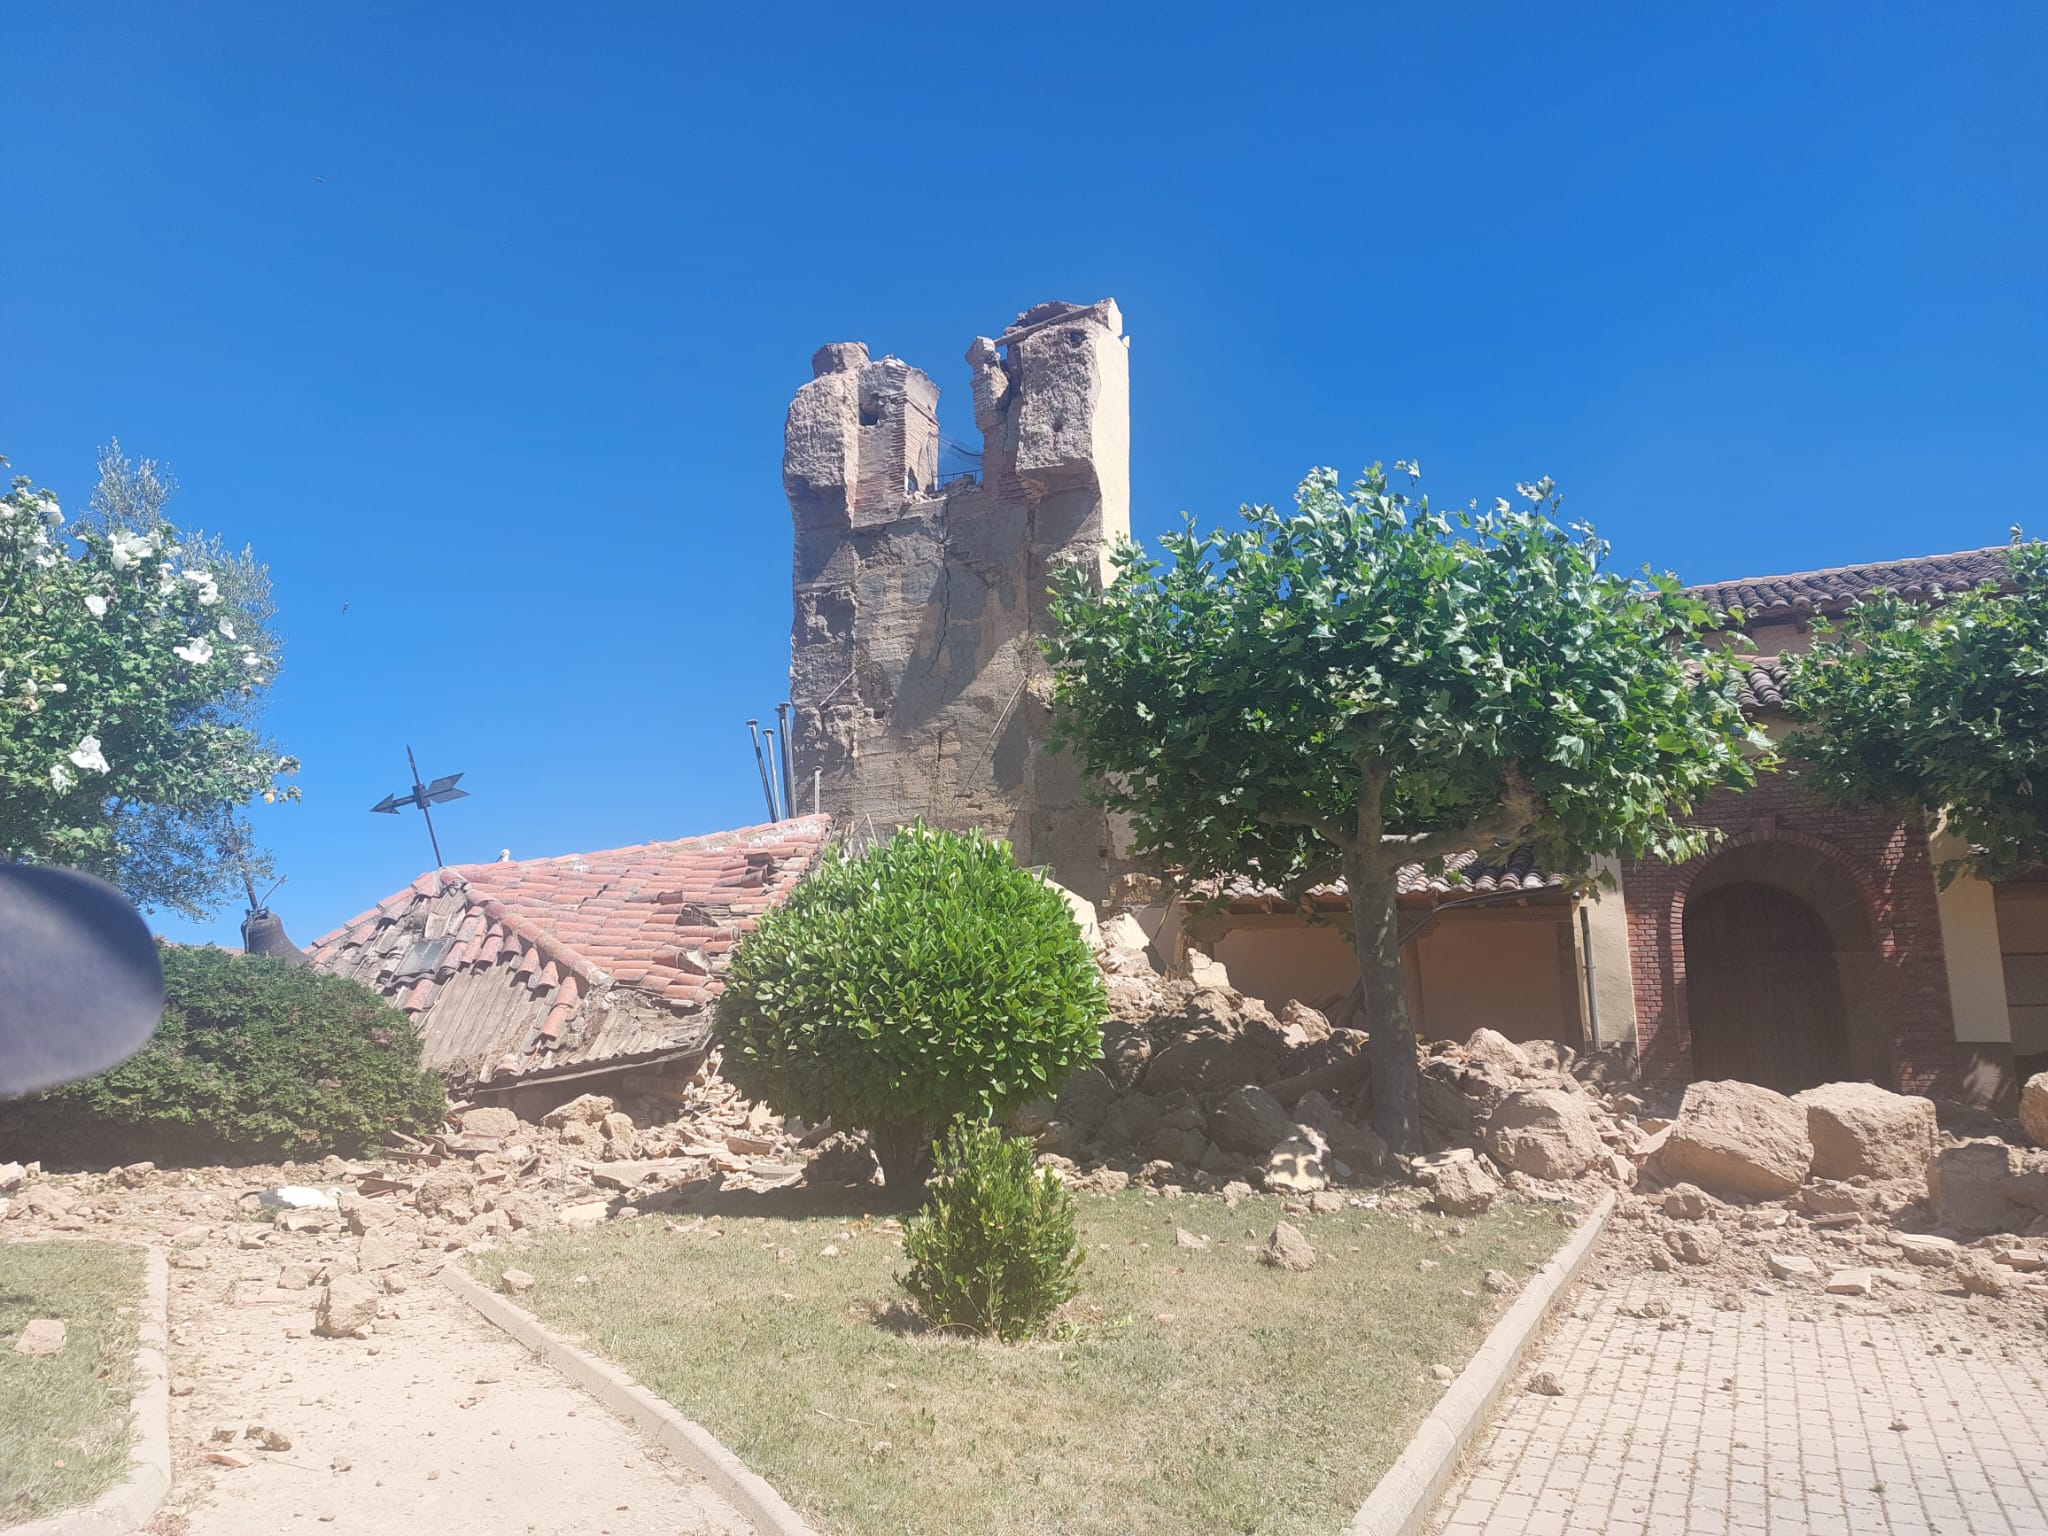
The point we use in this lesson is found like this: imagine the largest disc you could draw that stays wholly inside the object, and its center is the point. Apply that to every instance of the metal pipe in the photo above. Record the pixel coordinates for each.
(1592, 998)
(754, 729)
(788, 763)
(774, 774)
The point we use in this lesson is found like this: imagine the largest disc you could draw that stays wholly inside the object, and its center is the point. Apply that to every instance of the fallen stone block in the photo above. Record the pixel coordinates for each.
(1739, 1139)
(1287, 1249)
(1966, 1187)
(1860, 1129)
(1849, 1282)
(43, 1336)
(1794, 1266)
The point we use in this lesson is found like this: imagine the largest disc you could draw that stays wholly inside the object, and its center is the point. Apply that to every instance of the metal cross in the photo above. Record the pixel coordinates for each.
(422, 795)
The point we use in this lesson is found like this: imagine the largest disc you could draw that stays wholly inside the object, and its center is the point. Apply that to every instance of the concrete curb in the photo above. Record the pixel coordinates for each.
(730, 1478)
(129, 1507)
(1401, 1502)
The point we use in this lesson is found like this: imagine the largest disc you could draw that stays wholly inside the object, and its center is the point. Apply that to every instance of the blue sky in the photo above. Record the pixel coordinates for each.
(479, 322)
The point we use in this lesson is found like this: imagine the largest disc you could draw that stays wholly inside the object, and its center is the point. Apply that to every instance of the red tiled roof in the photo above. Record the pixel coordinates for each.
(1464, 874)
(1829, 591)
(1763, 683)
(540, 964)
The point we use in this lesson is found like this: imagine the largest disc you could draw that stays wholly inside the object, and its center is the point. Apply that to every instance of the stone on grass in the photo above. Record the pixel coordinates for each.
(2033, 1110)
(587, 1213)
(1739, 1139)
(1793, 1266)
(1183, 1238)
(1543, 1132)
(43, 1336)
(348, 1305)
(515, 1282)
(1860, 1129)
(1966, 1187)
(1462, 1188)
(1498, 1282)
(1250, 1121)
(1287, 1249)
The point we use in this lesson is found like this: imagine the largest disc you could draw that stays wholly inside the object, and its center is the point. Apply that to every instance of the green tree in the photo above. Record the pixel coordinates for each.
(1937, 710)
(896, 989)
(133, 662)
(1366, 683)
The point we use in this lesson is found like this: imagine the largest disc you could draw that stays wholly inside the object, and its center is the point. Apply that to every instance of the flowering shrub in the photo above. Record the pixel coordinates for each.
(131, 664)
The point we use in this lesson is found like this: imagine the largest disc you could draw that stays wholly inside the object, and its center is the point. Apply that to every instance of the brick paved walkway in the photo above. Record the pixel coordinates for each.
(1792, 1415)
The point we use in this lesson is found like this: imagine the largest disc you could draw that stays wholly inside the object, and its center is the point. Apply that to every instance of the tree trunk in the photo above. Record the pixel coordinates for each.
(904, 1149)
(1390, 1040)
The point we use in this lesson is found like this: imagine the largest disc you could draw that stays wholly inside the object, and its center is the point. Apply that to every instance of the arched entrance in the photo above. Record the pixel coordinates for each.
(1764, 988)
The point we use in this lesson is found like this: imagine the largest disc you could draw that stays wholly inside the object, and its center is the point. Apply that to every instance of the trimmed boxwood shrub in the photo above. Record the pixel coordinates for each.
(896, 989)
(255, 1057)
(994, 1250)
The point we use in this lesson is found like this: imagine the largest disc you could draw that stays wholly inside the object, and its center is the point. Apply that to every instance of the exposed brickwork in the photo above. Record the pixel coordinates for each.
(1872, 878)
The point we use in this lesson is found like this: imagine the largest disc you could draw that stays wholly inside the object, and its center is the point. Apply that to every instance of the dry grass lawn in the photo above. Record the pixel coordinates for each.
(64, 1421)
(1183, 1391)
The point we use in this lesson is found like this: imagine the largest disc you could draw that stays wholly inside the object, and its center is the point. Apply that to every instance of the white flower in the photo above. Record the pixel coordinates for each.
(199, 652)
(127, 549)
(95, 605)
(209, 593)
(1500, 504)
(60, 687)
(227, 630)
(87, 755)
(251, 659)
(61, 778)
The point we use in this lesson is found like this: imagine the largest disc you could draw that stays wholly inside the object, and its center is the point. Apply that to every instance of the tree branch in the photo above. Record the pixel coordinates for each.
(1321, 825)
(1514, 817)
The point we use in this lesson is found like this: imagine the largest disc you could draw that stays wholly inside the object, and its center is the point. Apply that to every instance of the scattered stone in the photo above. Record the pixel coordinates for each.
(1928, 1249)
(43, 1336)
(1979, 1276)
(1287, 1249)
(585, 1109)
(227, 1459)
(1183, 1238)
(1849, 1282)
(12, 1176)
(491, 1120)
(1250, 1121)
(1694, 1244)
(274, 1440)
(2025, 1260)
(2033, 1113)
(1739, 1139)
(1546, 1133)
(1460, 1186)
(444, 1189)
(587, 1213)
(1966, 1187)
(1235, 1191)
(348, 1306)
(1326, 1202)
(1862, 1130)
(1545, 1384)
(515, 1282)
(1494, 1049)
(384, 1250)
(1498, 1281)
(1793, 1266)
(1688, 1202)
(1443, 1373)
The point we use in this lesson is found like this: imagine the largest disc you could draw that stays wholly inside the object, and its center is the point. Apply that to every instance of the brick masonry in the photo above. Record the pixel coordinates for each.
(1871, 878)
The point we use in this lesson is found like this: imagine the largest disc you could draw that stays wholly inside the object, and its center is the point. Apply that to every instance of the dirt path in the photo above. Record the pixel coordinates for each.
(434, 1422)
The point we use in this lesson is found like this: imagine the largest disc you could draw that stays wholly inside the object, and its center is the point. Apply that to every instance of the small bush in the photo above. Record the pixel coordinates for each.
(254, 1056)
(927, 978)
(994, 1250)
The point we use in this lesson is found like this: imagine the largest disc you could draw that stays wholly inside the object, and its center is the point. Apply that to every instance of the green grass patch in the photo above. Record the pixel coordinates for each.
(64, 1421)
(1181, 1391)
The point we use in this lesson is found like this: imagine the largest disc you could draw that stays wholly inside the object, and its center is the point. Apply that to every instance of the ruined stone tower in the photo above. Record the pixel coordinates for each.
(914, 663)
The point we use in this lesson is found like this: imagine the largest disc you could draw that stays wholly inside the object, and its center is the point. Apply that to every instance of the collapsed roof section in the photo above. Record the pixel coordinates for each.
(535, 969)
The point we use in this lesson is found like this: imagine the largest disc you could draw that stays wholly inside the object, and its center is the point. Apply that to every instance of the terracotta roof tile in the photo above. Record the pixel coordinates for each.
(654, 921)
(1464, 874)
(1831, 590)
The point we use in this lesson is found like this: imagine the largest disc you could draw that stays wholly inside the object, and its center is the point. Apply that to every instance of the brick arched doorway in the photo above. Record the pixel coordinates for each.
(1765, 988)
(1782, 983)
